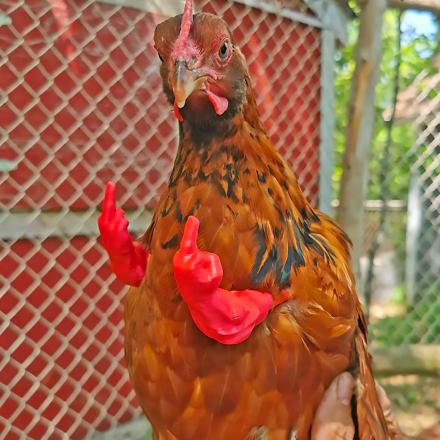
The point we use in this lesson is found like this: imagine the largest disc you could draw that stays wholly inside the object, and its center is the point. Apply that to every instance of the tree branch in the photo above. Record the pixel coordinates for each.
(360, 126)
(384, 173)
(426, 5)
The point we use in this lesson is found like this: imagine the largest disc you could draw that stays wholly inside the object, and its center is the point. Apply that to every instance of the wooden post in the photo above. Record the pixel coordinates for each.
(360, 126)
(413, 232)
(327, 128)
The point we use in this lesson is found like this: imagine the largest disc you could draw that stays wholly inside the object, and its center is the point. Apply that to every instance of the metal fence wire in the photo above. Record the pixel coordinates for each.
(408, 267)
(81, 103)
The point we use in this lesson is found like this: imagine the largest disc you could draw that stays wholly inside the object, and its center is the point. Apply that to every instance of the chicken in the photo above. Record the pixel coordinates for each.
(243, 306)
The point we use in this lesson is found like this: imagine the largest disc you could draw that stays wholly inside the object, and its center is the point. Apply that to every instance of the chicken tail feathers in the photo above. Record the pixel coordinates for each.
(371, 423)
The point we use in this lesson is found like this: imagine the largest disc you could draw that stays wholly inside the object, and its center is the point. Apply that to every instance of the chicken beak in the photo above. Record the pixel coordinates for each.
(185, 82)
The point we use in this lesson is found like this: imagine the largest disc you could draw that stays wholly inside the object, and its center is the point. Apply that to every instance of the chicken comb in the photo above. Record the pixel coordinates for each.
(185, 27)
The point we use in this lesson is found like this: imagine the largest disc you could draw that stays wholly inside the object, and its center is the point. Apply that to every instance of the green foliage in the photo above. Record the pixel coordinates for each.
(418, 324)
(417, 52)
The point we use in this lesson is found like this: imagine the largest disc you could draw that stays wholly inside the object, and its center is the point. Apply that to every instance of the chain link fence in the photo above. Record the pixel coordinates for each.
(81, 104)
(406, 306)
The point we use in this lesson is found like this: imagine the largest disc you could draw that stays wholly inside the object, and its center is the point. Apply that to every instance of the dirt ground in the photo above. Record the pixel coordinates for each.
(416, 401)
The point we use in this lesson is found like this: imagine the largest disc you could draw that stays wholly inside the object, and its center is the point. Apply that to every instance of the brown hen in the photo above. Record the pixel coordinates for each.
(268, 238)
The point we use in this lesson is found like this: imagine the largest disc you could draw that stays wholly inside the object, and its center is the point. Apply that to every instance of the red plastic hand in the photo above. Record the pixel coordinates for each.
(128, 258)
(226, 316)
(195, 270)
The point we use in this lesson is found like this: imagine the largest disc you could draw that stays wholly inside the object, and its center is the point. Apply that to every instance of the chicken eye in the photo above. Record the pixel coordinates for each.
(223, 52)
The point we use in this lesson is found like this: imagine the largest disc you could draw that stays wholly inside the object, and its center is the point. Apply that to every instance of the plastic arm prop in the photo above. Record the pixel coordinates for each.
(128, 258)
(226, 316)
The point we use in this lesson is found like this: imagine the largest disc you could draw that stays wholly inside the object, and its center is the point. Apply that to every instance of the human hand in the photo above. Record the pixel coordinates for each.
(333, 418)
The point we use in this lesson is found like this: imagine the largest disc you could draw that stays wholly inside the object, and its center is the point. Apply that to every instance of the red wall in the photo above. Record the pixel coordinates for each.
(75, 119)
